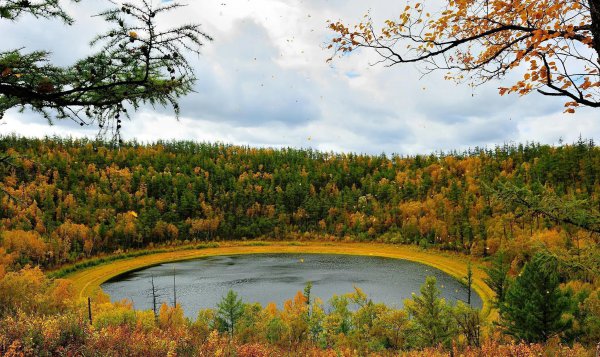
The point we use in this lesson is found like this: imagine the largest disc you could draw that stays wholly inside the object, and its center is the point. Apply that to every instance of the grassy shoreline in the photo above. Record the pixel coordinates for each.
(87, 280)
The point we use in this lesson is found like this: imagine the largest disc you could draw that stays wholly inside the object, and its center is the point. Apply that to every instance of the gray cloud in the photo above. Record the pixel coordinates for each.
(239, 81)
(265, 81)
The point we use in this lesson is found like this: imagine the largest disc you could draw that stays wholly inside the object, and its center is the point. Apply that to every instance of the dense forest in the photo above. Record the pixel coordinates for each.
(529, 212)
(79, 198)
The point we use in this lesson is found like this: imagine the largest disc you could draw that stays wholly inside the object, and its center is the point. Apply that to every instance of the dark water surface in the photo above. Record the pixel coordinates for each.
(275, 278)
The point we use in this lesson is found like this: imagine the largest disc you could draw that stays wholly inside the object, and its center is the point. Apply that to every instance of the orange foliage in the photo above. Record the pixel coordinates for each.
(24, 243)
(553, 43)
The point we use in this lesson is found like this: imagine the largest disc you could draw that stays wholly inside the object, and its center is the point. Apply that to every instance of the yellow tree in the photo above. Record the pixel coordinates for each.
(27, 245)
(553, 45)
(294, 316)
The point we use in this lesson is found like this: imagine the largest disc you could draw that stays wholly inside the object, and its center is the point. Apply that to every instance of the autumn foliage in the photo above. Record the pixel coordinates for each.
(70, 200)
(66, 200)
(355, 326)
(554, 46)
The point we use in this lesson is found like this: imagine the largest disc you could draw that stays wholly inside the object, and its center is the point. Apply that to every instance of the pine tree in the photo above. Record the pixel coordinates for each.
(533, 306)
(497, 278)
(136, 62)
(430, 316)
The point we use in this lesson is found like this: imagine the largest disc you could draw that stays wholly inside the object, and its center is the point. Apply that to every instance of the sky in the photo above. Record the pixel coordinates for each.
(265, 81)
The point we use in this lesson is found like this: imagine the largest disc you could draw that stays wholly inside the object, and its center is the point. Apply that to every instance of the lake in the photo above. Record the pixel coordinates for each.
(264, 278)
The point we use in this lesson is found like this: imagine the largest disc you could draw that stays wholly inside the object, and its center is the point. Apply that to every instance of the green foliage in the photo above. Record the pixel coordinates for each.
(589, 317)
(138, 63)
(85, 203)
(534, 305)
(13, 9)
(469, 323)
(45, 319)
(204, 192)
(275, 330)
(369, 328)
(430, 316)
(307, 291)
(574, 211)
(583, 264)
(246, 330)
(340, 316)
(230, 310)
(497, 277)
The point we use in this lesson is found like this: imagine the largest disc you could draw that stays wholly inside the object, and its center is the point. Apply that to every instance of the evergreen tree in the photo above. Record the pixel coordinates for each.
(468, 282)
(497, 278)
(430, 316)
(533, 306)
(230, 311)
(136, 62)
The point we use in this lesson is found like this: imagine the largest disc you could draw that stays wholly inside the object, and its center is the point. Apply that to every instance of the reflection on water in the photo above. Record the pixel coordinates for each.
(265, 278)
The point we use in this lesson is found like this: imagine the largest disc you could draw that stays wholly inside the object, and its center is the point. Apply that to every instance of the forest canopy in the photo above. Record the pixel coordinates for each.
(78, 197)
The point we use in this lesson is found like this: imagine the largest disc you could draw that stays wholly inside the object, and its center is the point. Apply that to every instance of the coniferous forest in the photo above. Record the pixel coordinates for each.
(527, 213)
(496, 248)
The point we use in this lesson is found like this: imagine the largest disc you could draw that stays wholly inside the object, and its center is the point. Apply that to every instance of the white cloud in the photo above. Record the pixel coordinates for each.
(264, 81)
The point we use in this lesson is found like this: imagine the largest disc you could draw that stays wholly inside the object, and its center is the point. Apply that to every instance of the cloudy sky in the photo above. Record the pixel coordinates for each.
(264, 81)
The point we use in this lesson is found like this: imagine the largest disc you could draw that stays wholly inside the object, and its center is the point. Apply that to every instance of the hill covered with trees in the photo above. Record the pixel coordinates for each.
(71, 198)
(528, 212)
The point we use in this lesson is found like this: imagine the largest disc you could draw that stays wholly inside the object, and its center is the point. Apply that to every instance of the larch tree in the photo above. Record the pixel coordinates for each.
(554, 46)
(230, 310)
(137, 61)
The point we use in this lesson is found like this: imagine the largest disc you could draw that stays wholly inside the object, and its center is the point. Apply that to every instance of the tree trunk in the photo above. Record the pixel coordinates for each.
(595, 15)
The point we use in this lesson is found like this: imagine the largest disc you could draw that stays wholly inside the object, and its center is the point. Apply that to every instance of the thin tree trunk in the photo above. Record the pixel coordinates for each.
(153, 298)
(90, 309)
(595, 28)
(174, 289)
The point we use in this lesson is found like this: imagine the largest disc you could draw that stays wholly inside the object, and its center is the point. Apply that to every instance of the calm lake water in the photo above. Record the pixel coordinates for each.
(264, 278)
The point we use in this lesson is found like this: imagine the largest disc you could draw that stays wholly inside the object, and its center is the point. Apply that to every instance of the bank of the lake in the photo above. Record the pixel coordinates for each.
(87, 281)
(201, 283)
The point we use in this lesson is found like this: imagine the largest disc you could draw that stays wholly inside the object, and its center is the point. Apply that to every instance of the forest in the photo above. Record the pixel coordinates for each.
(520, 221)
(529, 213)
(71, 199)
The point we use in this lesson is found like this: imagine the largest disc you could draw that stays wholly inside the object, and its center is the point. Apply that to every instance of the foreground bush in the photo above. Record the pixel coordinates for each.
(42, 318)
